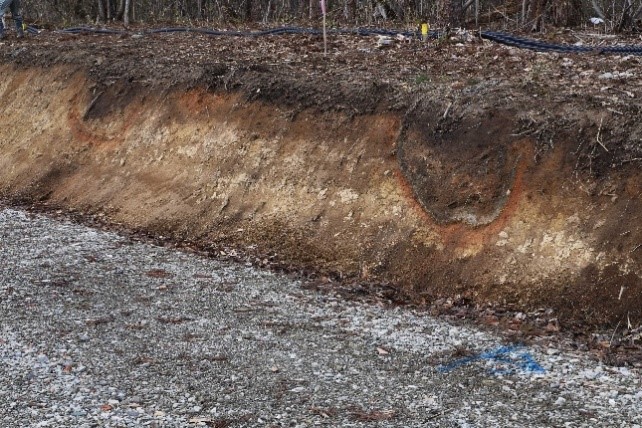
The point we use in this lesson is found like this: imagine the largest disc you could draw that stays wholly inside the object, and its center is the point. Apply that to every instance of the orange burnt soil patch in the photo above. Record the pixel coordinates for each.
(441, 178)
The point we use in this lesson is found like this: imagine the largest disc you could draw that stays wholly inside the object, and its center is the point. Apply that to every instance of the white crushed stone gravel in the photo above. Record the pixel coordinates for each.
(99, 330)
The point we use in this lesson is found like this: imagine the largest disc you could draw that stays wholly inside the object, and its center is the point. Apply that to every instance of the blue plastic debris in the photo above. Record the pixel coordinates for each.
(515, 357)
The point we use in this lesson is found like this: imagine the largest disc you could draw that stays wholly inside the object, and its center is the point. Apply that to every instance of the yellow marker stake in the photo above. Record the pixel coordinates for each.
(424, 31)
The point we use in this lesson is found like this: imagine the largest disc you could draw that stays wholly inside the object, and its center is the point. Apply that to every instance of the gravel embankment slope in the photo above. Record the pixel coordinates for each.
(97, 330)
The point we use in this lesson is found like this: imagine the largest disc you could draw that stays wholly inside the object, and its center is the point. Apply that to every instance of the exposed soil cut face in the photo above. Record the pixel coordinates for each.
(467, 176)
(471, 170)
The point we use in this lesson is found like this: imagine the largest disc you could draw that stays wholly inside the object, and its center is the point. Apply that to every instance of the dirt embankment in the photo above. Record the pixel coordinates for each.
(467, 184)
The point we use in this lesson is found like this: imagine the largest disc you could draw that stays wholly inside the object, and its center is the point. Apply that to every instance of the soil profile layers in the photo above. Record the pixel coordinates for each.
(467, 210)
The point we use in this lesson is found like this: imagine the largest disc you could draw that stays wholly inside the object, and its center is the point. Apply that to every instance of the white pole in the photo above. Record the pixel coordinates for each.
(325, 39)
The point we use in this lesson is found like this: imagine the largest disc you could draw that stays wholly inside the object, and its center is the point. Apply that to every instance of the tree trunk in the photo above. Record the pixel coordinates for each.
(538, 8)
(455, 9)
(102, 14)
(248, 10)
(126, 10)
(121, 10)
(266, 16)
(350, 10)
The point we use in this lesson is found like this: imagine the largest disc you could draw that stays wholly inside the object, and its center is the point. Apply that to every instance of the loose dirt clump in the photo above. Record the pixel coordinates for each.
(450, 169)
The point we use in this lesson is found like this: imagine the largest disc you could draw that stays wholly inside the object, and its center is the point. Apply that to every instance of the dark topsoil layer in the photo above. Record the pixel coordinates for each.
(590, 103)
(439, 83)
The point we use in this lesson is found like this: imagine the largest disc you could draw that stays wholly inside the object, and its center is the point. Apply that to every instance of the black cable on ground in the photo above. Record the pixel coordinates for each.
(539, 46)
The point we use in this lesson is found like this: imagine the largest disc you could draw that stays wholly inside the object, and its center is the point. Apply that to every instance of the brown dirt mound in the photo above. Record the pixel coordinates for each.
(447, 169)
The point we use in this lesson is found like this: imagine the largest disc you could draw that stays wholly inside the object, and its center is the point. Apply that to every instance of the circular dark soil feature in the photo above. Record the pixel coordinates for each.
(464, 176)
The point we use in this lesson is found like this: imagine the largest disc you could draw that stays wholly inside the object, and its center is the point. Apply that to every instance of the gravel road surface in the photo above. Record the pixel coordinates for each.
(100, 330)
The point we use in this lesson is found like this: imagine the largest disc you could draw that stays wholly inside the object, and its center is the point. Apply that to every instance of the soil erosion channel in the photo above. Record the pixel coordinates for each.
(442, 183)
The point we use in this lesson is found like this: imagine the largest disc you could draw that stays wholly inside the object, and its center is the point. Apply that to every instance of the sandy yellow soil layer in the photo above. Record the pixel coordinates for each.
(419, 167)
